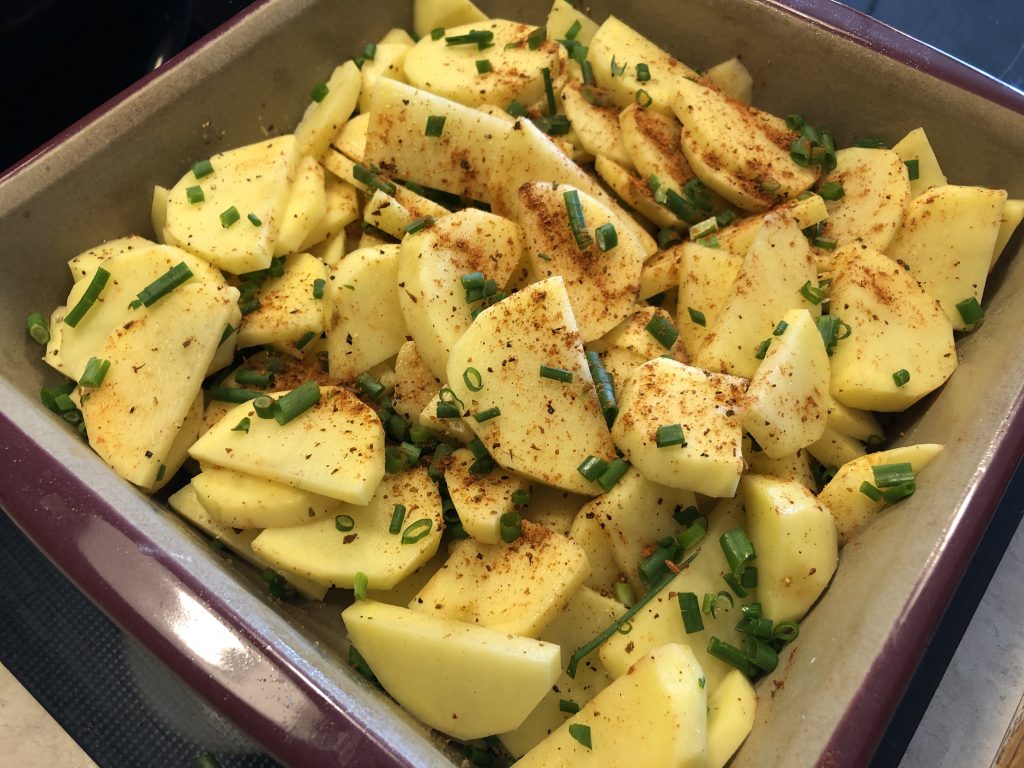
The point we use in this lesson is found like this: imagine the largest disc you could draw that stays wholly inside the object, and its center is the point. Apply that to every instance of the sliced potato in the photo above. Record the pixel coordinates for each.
(630, 344)
(481, 500)
(916, 147)
(596, 124)
(322, 119)
(706, 279)
(342, 208)
(1013, 213)
(306, 207)
(637, 195)
(351, 139)
(731, 708)
(288, 316)
(394, 213)
(563, 16)
(428, 15)
(239, 500)
(415, 384)
(651, 140)
(587, 531)
(388, 61)
(731, 77)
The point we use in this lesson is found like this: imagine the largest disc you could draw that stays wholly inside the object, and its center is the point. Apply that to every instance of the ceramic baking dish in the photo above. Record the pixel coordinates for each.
(278, 672)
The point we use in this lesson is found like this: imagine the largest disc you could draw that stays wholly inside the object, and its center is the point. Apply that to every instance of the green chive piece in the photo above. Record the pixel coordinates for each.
(437, 33)
(888, 475)
(233, 394)
(604, 386)
(520, 498)
(762, 349)
(670, 434)
(370, 51)
(832, 330)
(483, 66)
(643, 73)
(95, 371)
(472, 379)
(592, 467)
(435, 126)
(617, 69)
(826, 243)
(581, 733)
(319, 92)
(248, 307)
(229, 217)
(297, 402)
(760, 654)
(318, 288)
(510, 527)
(254, 378)
(397, 518)
(92, 292)
(202, 168)
(786, 631)
(691, 536)
(370, 385)
(913, 169)
(668, 237)
(479, 37)
(969, 310)
(360, 584)
(780, 328)
(487, 415)
(448, 411)
(163, 285)
(549, 90)
(731, 655)
(556, 374)
(690, 609)
(725, 218)
(870, 491)
(537, 38)
(661, 328)
(869, 143)
(643, 98)
(812, 293)
(624, 593)
(616, 469)
(304, 340)
(686, 515)
(901, 377)
(242, 426)
(704, 228)
(416, 225)
(372, 179)
(195, 194)
(516, 109)
(577, 223)
(697, 316)
(344, 523)
(265, 406)
(897, 492)
(416, 531)
(831, 190)
(568, 706)
(737, 548)
(735, 584)
(606, 236)
(38, 327)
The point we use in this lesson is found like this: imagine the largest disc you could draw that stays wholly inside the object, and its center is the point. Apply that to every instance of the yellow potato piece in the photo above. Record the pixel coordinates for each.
(481, 500)
(239, 500)
(306, 206)
(323, 119)
(288, 313)
(731, 709)
(428, 15)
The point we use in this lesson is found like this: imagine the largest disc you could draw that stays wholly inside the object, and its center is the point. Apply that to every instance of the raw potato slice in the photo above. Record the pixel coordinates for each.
(833, 449)
(586, 530)
(84, 264)
(652, 141)
(876, 191)
(455, 429)
(177, 455)
(239, 500)
(777, 266)
(731, 709)
(617, 41)
(563, 16)
(895, 326)
(516, 588)
(428, 15)
(388, 61)
(463, 680)
(481, 500)
(365, 323)
(947, 240)
(415, 383)
(630, 344)
(186, 503)
(306, 207)
(157, 363)
(336, 448)
(322, 553)
(665, 392)
(450, 70)
(406, 589)
(706, 278)
(658, 711)
(602, 284)
(635, 514)
(351, 139)
(255, 179)
(553, 507)
(546, 428)
(1013, 213)
(322, 119)
(738, 151)
(732, 78)
(431, 264)
(635, 192)
(586, 615)
(288, 312)
(796, 467)
(479, 156)
(850, 508)
(158, 212)
(854, 422)
(392, 214)
(915, 146)
(342, 209)
(795, 540)
(596, 124)
(786, 404)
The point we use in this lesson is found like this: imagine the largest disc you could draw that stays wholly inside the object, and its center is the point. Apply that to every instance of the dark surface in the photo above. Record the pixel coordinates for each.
(114, 699)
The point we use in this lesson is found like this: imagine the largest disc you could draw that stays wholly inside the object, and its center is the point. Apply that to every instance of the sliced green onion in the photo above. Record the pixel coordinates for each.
(483, 66)
(416, 531)
(556, 374)
(163, 285)
(588, 80)
(472, 379)
(488, 414)
(195, 194)
(265, 406)
(897, 492)
(870, 491)
(737, 548)
(725, 218)
(888, 475)
(577, 223)
(516, 109)
(812, 293)
(704, 228)
(537, 38)
(370, 51)
(780, 328)
(604, 386)
(95, 371)
(447, 395)
(606, 236)
(901, 377)
(592, 468)
(447, 411)
(92, 292)
(913, 169)
(668, 237)
(358, 663)
(549, 90)
(481, 38)
(344, 523)
(670, 434)
(581, 733)
(762, 349)
(248, 307)
(360, 585)
(624, 593)
(643, 73)
(686, 515)
(617, 69)
(760, 654)
(318, 288)
(202, 168)
(38, 327)
(437, 33)
(969, 310)
(831, 329)
(731, 655)
(831, 190)
(371, 179)
(869, 143)
(397, 518)
(415, 226)
(233, 394)
(304, 340)
(616, 469)
(574, 30)
(510, 527)
(735, 584)
(254, 219)
(643, 98)
(697, 316)
(825, 243)
(435, 126)
(691, 536)
(297, 402)
(661, 328)
(520, 498)
(228, 330)
(242, 426)
(319, 92)
(229, 217)
(690, 609)
(786, 631)
(568, 706)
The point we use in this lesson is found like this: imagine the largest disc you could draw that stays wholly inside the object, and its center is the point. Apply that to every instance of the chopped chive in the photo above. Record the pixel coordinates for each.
(472, 379)
(64, 403)
(661, 328)
(297, 402)
(549, 90)
(255, 378)
(202, 168)
(92, 292)
(735, 584)
(704, 228)
(643, 73)
(344, 523)
(553, 125)
(588, 79)
(360, 585)
(780, 328)
(487, 415)
(725, 218)
(670, 434)
(690, 609)
(435, 126)
(483, 66)
(668, 237)
(447, 395)
(556, 374)
(161, 471)
(318, 288)
(913, 169)
(870, 143)
(831, 190)
(370, 385)
(242, 426)
(319, 92)
(969, 309)
(686, 515)
(592, 467)
(691, 536)
(516, 109)
(604, 386)
(420, 434)
(38, 328)
(581, 733)
(229, 217)
(416, 531)
(888, 475)
(624, 593)
(478, 449)
(731, 655)
(304, 340)
(826, 243)
(481, 38)
(397, 518)
(577, 222)
(543, 256)
(265, 406)
(901, 377)
(606, 236)
(697, 316)
(164, 284)
(510, 527)
(870, 491)
(415, 226)
(737, 548)
(617, 69)
(371, 179)
(537, 38)
(762, 349)
(573, 30)
(897, 492)
(643, 98)
(195, 194)
(812, 293)
(95, 371)
(233, 394)
(447, 411)
(568, 706)
(370, 51)
(830, 328)
(616, 469)
(248, 307)
(786, 631)
(437, 33)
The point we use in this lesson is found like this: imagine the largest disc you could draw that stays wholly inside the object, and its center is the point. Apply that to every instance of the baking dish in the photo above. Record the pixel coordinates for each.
(278, 671)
